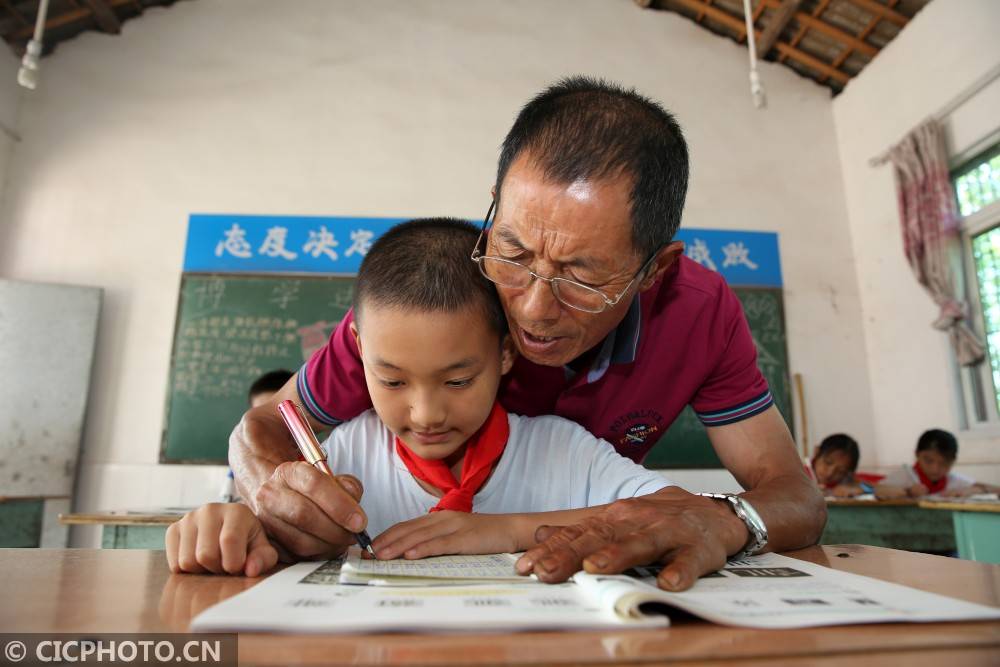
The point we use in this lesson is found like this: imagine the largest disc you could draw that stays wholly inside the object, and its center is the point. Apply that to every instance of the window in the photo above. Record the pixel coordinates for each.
(977, 183)
(977, 189)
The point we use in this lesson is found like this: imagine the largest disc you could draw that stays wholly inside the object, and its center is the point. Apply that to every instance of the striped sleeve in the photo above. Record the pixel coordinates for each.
(737, 413)
(332, 382)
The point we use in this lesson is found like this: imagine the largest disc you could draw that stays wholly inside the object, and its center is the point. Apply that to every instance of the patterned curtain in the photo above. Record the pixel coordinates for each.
(930, 226)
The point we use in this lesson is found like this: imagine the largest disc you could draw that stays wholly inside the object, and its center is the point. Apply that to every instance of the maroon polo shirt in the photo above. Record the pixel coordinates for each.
(683, 341)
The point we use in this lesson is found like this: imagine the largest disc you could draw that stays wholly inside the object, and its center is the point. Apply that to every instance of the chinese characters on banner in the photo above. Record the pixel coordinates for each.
(280, 244)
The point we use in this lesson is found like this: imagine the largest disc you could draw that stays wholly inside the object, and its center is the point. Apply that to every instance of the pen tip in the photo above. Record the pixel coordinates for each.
(371, 551)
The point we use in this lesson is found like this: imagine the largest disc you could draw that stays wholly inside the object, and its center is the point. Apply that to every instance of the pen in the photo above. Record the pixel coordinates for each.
(304, 437)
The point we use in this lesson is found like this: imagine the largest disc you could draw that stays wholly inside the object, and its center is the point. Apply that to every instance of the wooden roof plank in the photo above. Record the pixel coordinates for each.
(844, 38)
(774, 29)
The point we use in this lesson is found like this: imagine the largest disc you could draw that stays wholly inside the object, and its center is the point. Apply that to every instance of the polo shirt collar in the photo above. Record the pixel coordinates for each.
(619, 347)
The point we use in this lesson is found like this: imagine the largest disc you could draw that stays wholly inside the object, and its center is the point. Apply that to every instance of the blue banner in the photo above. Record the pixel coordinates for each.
(336, 245)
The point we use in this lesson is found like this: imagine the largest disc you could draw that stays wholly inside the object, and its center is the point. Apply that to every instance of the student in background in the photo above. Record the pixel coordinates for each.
(266, 386)
(931, 474)
(438, 446)
(833, 465)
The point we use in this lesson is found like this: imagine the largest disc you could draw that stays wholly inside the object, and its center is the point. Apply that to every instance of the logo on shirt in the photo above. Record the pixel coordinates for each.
(636, 427)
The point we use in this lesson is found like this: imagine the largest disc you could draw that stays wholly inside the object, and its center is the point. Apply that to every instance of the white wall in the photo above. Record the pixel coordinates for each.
(947, 47)
(382, 108)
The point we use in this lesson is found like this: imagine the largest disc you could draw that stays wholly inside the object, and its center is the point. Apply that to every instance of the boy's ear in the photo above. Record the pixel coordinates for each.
(507, 354)
(357, 337)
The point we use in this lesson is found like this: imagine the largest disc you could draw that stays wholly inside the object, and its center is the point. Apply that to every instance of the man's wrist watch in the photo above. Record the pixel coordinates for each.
(748, 515)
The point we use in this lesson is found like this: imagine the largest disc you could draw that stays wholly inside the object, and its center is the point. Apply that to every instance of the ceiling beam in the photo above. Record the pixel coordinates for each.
(734, 23)
(850, 41)
(880, 10)
(817, 11)
(105, 17)
(810, 61)
(782, 17)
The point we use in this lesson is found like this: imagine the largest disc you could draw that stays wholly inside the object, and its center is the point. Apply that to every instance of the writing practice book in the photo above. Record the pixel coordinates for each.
(766, 591)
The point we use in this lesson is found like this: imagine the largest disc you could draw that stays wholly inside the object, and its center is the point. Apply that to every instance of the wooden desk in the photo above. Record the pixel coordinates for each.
(126, 530)
(976, 525)
(96, 591)
(897, 524)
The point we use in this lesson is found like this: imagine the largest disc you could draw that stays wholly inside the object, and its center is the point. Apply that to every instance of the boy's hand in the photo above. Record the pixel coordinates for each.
(220, 538)
(917, 490)
(447, 532)
(846, 491)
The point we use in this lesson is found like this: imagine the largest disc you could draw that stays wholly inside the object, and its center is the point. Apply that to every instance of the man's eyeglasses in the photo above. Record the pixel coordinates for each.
(507, 273)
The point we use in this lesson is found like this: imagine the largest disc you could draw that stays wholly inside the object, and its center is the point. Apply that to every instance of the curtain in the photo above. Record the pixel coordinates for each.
(930, 226)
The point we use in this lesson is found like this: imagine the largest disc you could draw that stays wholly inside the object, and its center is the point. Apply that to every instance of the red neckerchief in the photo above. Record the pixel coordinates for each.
(482, 451)
(932, 487)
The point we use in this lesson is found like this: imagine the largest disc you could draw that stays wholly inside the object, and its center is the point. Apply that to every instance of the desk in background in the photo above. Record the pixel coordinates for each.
(976, 527)
(896, 524)
(129, 529)
(90, 591)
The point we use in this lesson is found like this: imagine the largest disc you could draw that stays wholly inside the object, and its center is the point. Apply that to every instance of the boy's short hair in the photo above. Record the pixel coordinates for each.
(426, 265)
(841, 442)
(271, 381)
(941, 441)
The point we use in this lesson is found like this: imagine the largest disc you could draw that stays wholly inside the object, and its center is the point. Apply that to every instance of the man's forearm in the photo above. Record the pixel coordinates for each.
(256, 448)
(793, 510)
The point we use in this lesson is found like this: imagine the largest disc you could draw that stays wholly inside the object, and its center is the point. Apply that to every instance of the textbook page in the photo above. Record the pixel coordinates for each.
(308, 598)
(774, 591)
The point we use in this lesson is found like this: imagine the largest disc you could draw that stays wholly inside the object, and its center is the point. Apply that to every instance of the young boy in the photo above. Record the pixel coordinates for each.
(433, 340)
(833, 466)
(931, 474)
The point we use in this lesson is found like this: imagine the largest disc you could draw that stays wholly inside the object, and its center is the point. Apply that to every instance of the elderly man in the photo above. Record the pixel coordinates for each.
(616, 330)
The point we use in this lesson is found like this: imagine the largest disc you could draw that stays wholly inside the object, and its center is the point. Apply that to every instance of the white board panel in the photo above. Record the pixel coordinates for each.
(47, 339)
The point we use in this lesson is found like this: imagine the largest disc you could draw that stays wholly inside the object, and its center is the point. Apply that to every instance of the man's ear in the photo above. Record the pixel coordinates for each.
(493, 191)
(357, 336)
(508, 353)
(664, 259)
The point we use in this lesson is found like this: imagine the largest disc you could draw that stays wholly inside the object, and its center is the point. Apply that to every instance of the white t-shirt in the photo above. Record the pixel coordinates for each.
(905, 477)
(550, 463)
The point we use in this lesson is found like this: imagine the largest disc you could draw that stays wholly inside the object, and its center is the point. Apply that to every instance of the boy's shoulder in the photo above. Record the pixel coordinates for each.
(546, 429)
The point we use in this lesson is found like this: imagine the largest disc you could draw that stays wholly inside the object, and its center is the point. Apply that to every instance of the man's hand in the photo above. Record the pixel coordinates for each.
(301, 509)
(448, 532)
(689, 534)
(311, 514)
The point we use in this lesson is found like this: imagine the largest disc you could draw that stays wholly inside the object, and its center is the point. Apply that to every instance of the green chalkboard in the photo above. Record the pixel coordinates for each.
(231, 329)
(685, 444)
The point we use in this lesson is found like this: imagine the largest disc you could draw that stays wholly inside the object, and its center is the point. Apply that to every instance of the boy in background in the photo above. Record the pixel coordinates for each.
(437, 446)
(266, 386)
(833, 466)
(931, 473)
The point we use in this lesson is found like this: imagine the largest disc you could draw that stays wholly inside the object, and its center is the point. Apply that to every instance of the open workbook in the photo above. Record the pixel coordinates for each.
(483, 594)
